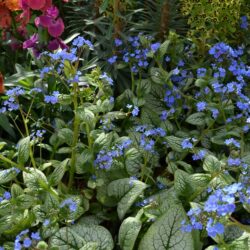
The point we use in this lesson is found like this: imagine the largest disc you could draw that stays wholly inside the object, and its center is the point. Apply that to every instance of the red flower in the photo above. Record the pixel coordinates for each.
(5, 18)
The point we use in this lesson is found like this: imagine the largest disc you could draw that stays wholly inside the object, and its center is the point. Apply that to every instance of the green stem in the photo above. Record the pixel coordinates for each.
(75, 138)
(132, 80)
(25, 121)
(5, 159)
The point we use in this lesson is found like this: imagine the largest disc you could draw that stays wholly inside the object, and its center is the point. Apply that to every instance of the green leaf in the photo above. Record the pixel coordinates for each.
(164, 47)
(127, 192)
(16, 190)
(58, 173)
(7, 175)
(35, 179)
(5, 125)
(175, 143)
(103, 141)
(211, 164)
(82, 235)
(94, 233)
(165, 233)
(90, 246)
(197, 119)
(67, 239)
(65, 135)
(133, 161)
(128, 233)
(182, 183)
(104, 6)
(23, 150)
(86, 116)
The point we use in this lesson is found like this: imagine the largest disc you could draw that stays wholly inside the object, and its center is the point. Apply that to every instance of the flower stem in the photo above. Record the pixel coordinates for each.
(75, 138)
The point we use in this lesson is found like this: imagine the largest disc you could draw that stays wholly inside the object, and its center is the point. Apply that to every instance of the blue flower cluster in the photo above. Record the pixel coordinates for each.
(136, 52)
(38, 134)
(219, 205)
(105, 158)
(147, 139)
(12, 102)
(53, 99)
(59, 57)
(23, 240)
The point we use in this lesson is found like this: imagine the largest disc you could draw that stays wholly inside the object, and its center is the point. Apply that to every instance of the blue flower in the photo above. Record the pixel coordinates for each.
(70, 203)
(135, 111)
(44, 71)
(234, 162)
(112, 59)
(215, 113)
(214, 229)
(167, 59)
(200, 155)
(107, 78)
(46, 222)
(155, 46)
(35, 236)
(186, 144)
(244, 22)
(27, 242)
(118, 42)
(7, 195)
(201, 72)
(201, 106)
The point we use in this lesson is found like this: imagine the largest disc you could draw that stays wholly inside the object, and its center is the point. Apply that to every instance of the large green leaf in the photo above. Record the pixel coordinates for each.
(67, 239)
(35, 179)
(127, 192)
(128, 233)
(133, 161)
(165, 233)
(211, 164)
(82, 236)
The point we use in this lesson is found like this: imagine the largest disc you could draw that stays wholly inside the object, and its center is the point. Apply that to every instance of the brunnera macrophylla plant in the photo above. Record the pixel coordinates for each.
(165, 164)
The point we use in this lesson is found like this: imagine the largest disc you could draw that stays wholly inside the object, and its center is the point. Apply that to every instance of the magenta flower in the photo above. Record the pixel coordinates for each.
(56, 28)
(56, 43)
(30, 43)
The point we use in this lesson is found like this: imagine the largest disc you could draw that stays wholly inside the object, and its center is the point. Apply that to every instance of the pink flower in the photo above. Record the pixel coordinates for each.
(30, 43)
(52, 12)
(36, 4)
(56, 28)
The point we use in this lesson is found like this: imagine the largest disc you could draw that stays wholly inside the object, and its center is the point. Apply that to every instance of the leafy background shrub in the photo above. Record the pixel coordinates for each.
(127, 137)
